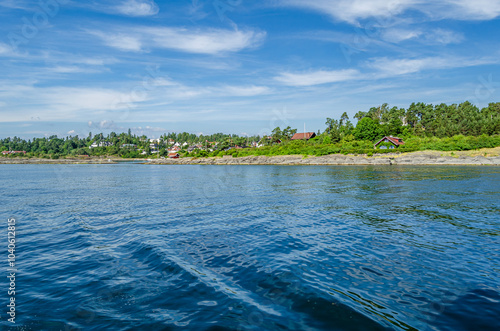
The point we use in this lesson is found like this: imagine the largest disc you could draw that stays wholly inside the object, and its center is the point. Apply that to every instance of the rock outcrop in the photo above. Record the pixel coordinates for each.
(417, 158)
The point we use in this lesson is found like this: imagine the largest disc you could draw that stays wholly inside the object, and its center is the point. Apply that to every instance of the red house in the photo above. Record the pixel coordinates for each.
(393, 141)
(173, 155)
(304, 136)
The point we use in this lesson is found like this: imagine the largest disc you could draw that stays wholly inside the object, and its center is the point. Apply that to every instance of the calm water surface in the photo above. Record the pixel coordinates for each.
(139, 247)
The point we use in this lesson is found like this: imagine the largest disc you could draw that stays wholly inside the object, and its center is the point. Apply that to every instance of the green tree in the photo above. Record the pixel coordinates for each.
(368, 129)
(360, 115)
(288, 133)
(333, 129)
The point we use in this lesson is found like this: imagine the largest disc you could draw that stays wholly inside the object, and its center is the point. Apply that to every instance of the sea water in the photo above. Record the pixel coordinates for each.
(145, 247)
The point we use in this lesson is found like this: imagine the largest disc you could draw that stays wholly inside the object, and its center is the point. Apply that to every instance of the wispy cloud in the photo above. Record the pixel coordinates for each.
(430, 37)
(444, 37)
(381, 68)
(317, 77)
(6, 50)
(399, 35)
(62, 103)
(462, 9)
(209, 41)
(243, 91)
(14, 4)
(120, 41)
(138, 8)
(387, 67)
(71, 70)
(352, 11)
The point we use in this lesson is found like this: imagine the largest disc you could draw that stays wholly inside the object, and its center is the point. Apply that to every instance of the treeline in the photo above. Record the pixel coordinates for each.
(123, 144)
(422, 126)
(192, 138)
(318, 147)
(420, 119)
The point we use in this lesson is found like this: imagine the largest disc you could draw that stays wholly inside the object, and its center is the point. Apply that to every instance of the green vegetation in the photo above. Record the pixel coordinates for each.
(412, 144)
(421, 126)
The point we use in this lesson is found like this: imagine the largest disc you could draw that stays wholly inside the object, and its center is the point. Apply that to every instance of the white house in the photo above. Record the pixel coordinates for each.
(101, 144)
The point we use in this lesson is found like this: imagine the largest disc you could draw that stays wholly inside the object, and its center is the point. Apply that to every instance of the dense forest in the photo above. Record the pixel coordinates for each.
(422, 126)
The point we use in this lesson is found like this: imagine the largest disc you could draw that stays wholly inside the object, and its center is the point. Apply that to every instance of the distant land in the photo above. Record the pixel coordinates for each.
(378, 131)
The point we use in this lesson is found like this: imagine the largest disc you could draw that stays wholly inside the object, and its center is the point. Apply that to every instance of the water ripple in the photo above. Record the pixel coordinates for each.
(124, 247)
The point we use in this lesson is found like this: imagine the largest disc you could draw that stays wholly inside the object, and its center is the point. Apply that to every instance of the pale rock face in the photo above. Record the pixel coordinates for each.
(418, 158)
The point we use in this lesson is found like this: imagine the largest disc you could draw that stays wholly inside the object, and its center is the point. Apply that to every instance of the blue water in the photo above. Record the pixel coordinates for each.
(143, 247)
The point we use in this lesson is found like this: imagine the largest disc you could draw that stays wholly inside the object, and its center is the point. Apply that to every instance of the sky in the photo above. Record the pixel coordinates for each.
(236, 66)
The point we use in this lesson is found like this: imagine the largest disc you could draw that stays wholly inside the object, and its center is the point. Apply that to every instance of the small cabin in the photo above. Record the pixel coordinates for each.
(304, 136)
(389, 142)
(173, 155)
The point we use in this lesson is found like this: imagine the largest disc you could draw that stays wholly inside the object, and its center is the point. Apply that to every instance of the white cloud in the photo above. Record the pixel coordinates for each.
(79, 99)
(5, 50)
(14, 4)
(162, 81)
(71, 132)
(106, 124)
(71, 70)
(63, 103)
(380, 68)
(120, 41)
(393, 67)
(352, 11)
(463, 9)
(432, 37)
(80, 104)
(138, 8)
(317, 77)
(244, 91)
(444, 37)
(93, 61)
(399, 35)
(211, 41)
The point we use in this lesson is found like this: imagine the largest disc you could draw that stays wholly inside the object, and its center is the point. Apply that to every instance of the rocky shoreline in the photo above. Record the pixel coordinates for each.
(417, 158)
(482, 157)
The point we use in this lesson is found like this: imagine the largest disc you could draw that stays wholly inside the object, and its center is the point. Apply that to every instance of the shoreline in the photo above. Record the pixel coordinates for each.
(490, 156)
(414, 158)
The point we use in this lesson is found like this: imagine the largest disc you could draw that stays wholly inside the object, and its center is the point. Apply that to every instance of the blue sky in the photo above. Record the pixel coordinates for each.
(236, 66)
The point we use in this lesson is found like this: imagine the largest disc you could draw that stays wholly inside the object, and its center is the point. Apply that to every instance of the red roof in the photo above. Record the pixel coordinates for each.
(394, 140)
(307, 136)
(173, 155)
